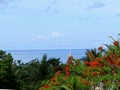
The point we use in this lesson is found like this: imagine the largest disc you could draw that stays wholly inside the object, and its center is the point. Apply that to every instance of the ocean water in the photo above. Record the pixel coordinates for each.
(28, 55)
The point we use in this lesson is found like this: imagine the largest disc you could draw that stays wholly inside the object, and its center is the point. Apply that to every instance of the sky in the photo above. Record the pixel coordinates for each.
(58, 24)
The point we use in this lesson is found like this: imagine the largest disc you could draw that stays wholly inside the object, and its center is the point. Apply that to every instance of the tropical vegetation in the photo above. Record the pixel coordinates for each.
(98, 70)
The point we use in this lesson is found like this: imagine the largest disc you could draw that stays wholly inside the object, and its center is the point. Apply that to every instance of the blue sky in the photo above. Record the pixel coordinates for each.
(58, 24)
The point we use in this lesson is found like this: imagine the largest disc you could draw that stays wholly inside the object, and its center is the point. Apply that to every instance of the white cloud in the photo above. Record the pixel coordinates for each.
(51, 35)
(71, 6)
(96, 5)
(57, 34)
(40, 36)
(51, 5)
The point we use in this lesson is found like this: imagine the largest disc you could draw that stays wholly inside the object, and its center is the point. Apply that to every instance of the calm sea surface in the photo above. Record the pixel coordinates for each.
(28, 55)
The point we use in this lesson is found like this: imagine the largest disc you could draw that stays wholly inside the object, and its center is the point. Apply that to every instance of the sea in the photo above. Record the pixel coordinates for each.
(27, 55)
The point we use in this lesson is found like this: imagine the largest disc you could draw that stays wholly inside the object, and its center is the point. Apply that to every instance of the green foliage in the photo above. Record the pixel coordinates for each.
(33, 73)
(7, 77)
(100, 69)
(28, 76)
(99, 66)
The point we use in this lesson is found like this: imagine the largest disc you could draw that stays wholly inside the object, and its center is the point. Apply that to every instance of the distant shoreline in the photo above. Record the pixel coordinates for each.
(41, 49)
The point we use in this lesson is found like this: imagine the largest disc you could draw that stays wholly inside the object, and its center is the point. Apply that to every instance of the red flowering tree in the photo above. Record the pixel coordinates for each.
(99, 70)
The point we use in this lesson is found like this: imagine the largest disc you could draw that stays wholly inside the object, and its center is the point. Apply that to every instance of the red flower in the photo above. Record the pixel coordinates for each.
(100, 48)
(46, 86)
(86, 63)
(52, 79)
(110, 60)
(67, 74)
(67, 69)
(101, 60)
(118, 62)
(102, 64)
(57, 73)
(116, 43)
(102, 73)
(93, 63)
(95, 74)
(83, 81)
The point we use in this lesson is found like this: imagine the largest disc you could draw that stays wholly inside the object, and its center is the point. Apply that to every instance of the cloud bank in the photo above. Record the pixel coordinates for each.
(51, 5)
(96, 5)
(51, 35)
(7, 3)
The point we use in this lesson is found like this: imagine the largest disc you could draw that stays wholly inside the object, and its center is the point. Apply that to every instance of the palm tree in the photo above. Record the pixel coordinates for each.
(55, 64)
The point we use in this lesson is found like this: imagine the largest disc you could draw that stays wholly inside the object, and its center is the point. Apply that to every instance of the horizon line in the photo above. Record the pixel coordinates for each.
(42, 49)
